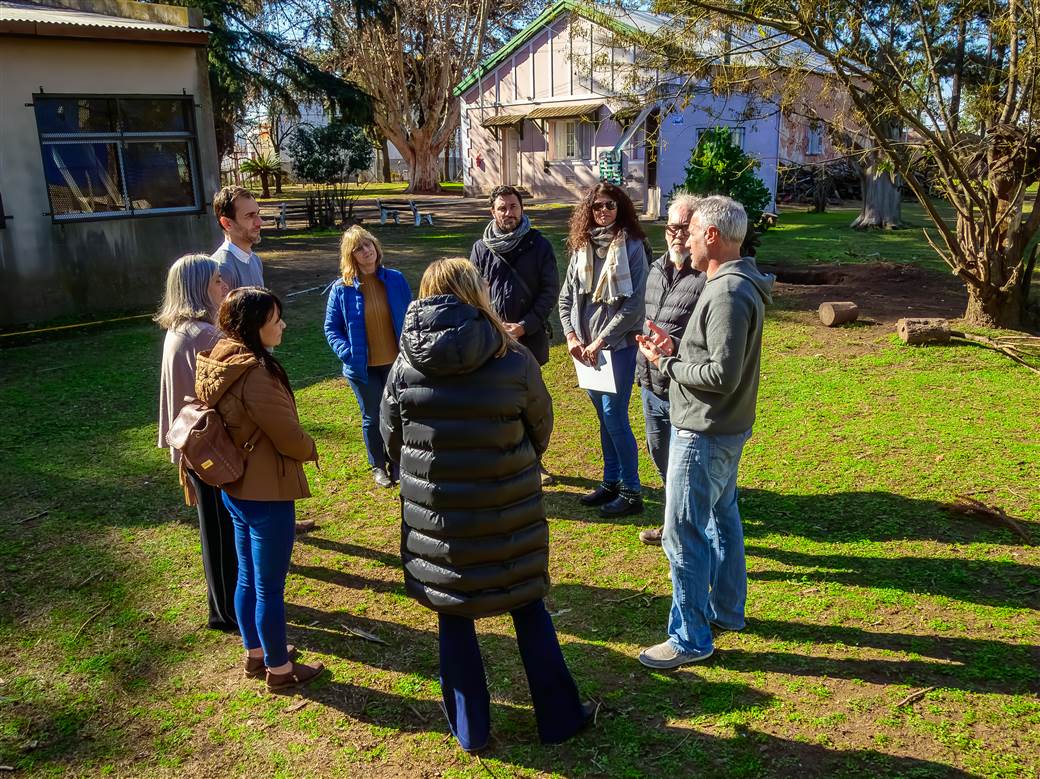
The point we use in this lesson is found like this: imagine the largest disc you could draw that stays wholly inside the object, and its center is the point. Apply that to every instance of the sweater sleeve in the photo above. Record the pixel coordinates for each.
(567, 295)
(629, 317)
(271, 408)
(726, 331)
(548, 289)
(537, 416)
(390, 425)
(335, 327)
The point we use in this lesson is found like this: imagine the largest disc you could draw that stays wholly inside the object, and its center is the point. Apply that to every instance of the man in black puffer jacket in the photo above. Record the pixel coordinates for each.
(466, 415)
(672, 290)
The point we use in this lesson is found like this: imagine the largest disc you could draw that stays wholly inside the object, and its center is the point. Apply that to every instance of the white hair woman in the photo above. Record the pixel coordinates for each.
(194, 292)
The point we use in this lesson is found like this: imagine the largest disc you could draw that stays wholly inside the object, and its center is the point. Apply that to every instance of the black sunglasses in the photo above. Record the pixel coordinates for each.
(610, 205)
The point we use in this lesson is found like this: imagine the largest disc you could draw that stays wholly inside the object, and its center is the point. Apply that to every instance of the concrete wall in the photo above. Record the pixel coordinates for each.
(54, 269)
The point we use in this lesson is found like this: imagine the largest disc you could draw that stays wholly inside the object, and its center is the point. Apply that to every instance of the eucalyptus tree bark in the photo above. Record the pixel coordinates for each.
(882, 207)
(410, 62)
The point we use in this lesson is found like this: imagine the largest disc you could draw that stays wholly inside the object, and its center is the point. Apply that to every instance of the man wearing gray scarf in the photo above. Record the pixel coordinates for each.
(519, 266)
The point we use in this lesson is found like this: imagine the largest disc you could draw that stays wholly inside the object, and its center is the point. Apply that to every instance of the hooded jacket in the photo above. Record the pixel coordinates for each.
(255, 405)
(467, 429)
(715, 370)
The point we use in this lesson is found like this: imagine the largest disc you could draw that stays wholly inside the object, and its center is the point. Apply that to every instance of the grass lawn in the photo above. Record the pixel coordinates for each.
(365, 191)
(863, 589)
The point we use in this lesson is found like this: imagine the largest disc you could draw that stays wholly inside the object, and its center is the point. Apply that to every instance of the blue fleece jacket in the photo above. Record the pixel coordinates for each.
(345, 320)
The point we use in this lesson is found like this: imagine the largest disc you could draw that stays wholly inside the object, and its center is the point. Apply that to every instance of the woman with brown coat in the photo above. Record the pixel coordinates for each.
(243, 381)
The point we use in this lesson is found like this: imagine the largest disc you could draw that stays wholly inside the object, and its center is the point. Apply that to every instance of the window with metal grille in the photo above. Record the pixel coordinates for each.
(118, 157)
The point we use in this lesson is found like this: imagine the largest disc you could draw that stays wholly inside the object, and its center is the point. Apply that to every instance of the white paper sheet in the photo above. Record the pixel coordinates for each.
(600, 377)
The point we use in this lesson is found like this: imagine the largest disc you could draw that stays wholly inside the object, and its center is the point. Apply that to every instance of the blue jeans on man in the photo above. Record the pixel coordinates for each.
(703, 538)
(658, 429)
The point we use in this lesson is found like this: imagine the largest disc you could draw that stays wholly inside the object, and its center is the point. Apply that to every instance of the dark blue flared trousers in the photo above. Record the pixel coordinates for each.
(557, 706)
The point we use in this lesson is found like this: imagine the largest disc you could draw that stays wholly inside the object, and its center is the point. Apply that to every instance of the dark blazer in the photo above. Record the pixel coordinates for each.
(467, 429)
(533, 261)
(345, 320)
(670, 298)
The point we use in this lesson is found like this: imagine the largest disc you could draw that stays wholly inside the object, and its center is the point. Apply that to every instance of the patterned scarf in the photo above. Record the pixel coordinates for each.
(503, 243)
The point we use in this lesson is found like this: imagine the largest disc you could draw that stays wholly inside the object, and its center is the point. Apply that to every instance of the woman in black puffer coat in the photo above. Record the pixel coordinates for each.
(466, 415)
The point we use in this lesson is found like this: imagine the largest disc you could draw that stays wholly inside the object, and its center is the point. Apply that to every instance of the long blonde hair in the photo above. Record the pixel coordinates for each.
(351, 240)
(458, 276)
(187, 292)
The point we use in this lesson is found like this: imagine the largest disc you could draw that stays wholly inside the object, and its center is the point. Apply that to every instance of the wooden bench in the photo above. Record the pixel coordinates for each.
(391, 209)
(296, 210)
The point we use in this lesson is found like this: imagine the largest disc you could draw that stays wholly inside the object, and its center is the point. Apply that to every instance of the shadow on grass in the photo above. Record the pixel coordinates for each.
(565, 504)
(634, 734)
(989, 582)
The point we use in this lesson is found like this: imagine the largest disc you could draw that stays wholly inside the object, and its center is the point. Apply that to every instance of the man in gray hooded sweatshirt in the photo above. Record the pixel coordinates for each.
(712, 396)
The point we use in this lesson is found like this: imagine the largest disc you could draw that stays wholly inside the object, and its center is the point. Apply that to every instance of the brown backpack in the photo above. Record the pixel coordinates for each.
(205, 445)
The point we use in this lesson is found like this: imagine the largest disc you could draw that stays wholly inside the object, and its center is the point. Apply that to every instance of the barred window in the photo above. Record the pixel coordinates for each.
(118, 156)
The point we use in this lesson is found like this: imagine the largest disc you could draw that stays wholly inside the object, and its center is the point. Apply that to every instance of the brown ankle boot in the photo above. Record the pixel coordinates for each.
(300, 673)
(254, 666)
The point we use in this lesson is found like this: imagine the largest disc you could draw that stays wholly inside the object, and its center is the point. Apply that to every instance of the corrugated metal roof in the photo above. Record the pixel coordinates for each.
(502, 120)
(12, 11)
(562, 110)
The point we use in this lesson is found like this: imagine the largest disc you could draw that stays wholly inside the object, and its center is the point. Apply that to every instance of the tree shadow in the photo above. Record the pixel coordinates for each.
(350, 550)
(860, 516)
(989, 582)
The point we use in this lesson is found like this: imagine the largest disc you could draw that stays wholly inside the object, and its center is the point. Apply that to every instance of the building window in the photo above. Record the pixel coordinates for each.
(571, 140)
(814, 141)
(736, 134)
(118, 157)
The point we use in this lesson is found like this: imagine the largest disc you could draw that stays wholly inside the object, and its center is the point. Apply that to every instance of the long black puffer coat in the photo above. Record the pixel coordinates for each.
(467, 429)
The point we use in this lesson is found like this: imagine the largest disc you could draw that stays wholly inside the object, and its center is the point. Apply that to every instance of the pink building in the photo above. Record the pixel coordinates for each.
(552, 109)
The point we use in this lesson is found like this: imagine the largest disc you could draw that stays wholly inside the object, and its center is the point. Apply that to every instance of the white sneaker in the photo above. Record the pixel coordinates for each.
(665, 655)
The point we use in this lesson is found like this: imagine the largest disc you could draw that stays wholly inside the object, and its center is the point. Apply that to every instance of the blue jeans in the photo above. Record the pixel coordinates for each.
(557, 706)
(658, 430)
(369, 394)
(620, 451)
(703, 537)
(264, 535)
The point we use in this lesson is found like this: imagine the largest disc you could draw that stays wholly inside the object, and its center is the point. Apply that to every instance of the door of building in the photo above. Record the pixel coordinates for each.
(510, 156)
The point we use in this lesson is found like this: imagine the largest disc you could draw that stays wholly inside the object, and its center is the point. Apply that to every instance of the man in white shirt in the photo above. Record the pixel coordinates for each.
(239, 216)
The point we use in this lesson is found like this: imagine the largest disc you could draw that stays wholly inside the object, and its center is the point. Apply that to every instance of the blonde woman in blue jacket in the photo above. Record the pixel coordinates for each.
(363, 322)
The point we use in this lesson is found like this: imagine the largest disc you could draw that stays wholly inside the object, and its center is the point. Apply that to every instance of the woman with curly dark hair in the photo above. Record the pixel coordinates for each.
(602, 309)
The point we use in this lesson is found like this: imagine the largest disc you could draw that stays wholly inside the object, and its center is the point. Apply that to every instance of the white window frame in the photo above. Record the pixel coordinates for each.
(738, 133)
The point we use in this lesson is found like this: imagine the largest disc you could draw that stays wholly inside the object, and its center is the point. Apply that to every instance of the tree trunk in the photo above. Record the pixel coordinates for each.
(425, 171)
(384, 150)
(278, 183)
(265, 183)
(882, 201)
(987, 307)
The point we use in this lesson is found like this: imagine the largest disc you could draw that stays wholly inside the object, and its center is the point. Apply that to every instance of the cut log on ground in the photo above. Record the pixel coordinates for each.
(937, 331)
(924, 331)
(838, 312)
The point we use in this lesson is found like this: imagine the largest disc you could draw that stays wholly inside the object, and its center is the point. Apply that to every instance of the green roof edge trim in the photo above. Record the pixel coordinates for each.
(548, 15)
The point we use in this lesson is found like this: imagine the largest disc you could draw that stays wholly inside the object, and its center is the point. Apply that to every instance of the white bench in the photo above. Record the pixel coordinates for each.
(391, 209)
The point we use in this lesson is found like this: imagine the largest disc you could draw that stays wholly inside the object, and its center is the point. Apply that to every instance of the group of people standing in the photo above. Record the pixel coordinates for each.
(455, 410)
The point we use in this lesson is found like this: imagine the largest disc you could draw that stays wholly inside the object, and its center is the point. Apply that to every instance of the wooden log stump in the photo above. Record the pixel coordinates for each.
(838, 313)
(923, 331)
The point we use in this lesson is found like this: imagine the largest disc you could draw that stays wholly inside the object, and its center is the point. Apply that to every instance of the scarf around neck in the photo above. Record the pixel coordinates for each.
(503, 243)
(615, 277)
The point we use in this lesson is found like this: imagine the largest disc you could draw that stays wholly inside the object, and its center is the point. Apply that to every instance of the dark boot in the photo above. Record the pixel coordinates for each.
(625, 504)
(604, 493)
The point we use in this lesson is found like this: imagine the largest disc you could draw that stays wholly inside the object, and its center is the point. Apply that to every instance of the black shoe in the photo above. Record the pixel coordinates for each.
(604, 493)
(382, 478)
(623, 505)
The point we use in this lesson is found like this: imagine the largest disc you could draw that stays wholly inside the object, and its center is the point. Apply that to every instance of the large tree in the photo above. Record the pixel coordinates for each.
(951, 85)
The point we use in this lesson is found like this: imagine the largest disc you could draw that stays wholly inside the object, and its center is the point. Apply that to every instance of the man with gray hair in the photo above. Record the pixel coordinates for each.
(672, 288)
(714, 387)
